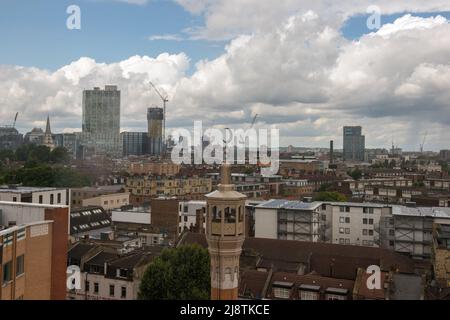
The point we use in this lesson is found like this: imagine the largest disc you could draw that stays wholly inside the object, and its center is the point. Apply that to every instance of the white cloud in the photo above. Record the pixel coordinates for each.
(301, 75)
(226, 19)
(166, 37)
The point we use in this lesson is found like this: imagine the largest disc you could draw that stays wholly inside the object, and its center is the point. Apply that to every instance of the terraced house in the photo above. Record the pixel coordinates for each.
(144, 188)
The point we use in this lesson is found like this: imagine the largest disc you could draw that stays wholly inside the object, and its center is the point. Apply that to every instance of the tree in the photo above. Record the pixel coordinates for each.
(59, 155)
(330, 196)
(181, 273)
(355, 174)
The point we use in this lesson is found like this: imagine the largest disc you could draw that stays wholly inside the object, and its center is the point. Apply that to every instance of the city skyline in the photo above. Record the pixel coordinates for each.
(324, 67)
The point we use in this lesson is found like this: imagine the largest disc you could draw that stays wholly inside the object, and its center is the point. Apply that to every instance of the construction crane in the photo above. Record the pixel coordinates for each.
(165, 100)
(15, 119)
(423, 142)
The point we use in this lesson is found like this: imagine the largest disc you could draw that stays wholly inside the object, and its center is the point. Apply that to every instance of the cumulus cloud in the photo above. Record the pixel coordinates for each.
(226, 19)
(302, 76)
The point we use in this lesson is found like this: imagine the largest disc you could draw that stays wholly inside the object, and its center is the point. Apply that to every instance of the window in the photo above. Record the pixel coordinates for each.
(370, 232)
(364, 221)
(347, 230)
(341, 220)
(364, 232)
(391, 232)
(185, 218)
(281, 293)
(230, 215)
(347, 209)
(308, 295)
(14, 199)
(341, 230)
(347, 241)
(96, 287)
(341, 209)
(7, 269)
(341, 241)
(216, 214)
(123, 292)
(370, 221)
(52, 196)
(20, 266)
(86, 286)
(347, 220)
(41, 199)
(111, 290)
(59, 197)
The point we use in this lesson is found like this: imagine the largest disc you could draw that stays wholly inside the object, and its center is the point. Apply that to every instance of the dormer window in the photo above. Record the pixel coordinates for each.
(282, 290)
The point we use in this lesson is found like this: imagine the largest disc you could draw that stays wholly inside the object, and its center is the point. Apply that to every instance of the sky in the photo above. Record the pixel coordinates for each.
(305, 67)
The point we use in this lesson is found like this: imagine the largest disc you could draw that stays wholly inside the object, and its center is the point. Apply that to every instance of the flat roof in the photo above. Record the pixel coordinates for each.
(434, 212)
(28, 189)
(36, 205)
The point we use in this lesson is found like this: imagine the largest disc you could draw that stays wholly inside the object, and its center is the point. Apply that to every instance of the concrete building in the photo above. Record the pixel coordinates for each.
(192, 216)
(35, 136)
(33, 250)
(69, 141)
(134, 143)
(354, 144)
(413, 229)
(35, 195)
(288, 220)
(101, 121)
(225, 234)
(444, 155)
(79, 194)
(155, 118)
(108, 201)
(10, 138)
(108, 275)
(138, 221)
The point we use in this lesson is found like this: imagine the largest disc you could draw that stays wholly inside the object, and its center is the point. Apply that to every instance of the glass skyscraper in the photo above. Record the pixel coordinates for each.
(101, 121)
(354, 144)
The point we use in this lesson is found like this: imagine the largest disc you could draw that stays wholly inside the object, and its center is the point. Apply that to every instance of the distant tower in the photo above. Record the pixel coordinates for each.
(225, 233)
(155, 118)
(48, 139)
(331, 151)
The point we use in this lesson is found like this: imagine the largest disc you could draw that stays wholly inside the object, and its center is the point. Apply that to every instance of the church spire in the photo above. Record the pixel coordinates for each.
(47, 128)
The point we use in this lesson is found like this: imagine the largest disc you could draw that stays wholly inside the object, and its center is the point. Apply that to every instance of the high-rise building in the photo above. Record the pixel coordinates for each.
(101, 121)
(225, 234)
(10, 138)
(134, 143)
(69, 141)
(155, 117)
(354, 144)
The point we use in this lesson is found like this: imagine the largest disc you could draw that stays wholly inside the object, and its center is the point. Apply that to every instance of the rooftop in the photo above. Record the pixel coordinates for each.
(7, 189)
(432, 212)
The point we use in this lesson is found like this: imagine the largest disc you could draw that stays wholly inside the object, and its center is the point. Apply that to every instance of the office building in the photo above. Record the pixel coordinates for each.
(134, 143)
(101, 121)
(155, 118)
(69, 141)
(10, 138)
(354, 144)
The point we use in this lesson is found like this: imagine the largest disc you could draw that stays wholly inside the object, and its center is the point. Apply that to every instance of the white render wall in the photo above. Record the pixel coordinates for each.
(266, 223)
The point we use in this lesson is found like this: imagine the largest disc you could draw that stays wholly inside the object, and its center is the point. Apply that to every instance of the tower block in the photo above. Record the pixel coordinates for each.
(225, 233)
